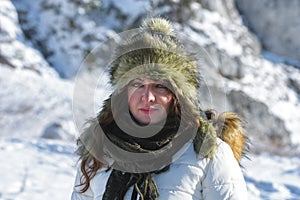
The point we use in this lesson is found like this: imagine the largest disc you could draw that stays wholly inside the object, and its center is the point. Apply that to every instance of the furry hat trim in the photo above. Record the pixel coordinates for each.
(156, 53)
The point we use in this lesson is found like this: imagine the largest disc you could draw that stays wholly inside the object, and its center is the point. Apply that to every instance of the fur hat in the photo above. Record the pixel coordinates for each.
(156, 53)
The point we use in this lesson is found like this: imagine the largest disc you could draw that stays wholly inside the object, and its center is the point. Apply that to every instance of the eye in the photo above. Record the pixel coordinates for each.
(161, 86)
(136, 84)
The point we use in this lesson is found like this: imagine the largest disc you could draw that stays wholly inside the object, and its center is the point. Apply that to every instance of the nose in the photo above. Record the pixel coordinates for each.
(148, 95)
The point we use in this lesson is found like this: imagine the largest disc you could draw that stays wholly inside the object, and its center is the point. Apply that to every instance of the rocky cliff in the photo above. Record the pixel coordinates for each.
(43, 45)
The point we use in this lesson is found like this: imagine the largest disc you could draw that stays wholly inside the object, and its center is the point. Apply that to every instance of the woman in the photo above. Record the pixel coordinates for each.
(152, 140)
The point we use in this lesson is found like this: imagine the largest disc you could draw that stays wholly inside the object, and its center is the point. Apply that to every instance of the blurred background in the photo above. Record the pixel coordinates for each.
(52, 70)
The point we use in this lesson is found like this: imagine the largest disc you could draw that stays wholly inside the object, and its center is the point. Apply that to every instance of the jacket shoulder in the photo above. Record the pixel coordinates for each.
(223, 177)
(96, 189)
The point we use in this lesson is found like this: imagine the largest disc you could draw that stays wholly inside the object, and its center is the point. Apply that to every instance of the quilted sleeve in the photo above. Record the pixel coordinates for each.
(223, 177)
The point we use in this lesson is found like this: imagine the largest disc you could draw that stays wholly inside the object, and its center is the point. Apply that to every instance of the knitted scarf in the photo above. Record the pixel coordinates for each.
(143, 183)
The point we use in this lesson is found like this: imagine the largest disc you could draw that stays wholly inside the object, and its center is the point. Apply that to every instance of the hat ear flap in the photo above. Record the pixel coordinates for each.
(230, 129)
(205, 139)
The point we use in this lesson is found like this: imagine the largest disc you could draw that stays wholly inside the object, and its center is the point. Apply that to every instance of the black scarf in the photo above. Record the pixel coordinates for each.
(143, 183)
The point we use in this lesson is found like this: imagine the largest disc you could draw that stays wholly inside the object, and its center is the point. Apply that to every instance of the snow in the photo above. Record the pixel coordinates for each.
(272, 177)
(39, 168)
(36, 169)
(263, 77)
(30, 101)
(223, 41)
(131, 7)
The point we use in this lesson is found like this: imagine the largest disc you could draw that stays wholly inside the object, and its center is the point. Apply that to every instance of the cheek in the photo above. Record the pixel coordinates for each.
(170, 98)
(167, 101)
(129, 95)
(132, 99)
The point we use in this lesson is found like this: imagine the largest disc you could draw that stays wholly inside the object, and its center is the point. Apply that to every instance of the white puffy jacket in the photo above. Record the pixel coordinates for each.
(190, 177)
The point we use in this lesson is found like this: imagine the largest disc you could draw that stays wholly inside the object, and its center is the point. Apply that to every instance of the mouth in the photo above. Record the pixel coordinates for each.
(147, 110)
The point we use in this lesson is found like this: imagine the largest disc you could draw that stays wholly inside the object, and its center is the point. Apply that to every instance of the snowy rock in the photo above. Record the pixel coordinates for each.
(294, 82)
(66, 31)
(16, 52)
(226, 9)
(276, 23)
(30, 101)
(231, 67)
(27, 98)
(263, 127)
(58, 130)
(251, 86)
(10, 28)
(59, 30)
(230, 22)
(268, 83)
(52, 131)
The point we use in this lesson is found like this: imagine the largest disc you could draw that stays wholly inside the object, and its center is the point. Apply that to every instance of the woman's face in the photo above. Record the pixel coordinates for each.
(149, 100)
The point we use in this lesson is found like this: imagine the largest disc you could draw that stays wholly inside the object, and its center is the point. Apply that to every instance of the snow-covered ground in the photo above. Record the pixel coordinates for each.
(272, 177)
(45, 169)
(36, 169)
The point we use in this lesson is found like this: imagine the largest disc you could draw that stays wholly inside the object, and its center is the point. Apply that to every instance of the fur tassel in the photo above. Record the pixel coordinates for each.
(230, 129)
(158, 24)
